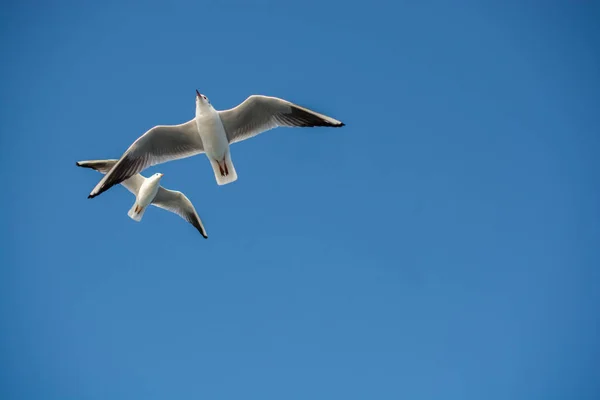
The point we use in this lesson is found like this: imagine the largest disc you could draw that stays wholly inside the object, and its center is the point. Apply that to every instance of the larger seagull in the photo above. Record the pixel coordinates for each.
(210, 132)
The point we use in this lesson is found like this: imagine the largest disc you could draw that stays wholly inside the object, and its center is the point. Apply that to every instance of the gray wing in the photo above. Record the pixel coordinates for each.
(179, 204)
(160, 144)
(258, 114)
(103, 166)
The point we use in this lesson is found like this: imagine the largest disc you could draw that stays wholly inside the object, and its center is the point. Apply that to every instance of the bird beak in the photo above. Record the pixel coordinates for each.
(197, 93)
(161, 175)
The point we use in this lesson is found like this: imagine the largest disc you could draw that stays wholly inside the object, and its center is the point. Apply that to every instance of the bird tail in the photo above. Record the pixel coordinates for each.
(224, 170)
(136, 213)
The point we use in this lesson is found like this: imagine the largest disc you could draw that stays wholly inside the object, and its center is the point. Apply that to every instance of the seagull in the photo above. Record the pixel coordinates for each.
(210, 132)
(148, 191)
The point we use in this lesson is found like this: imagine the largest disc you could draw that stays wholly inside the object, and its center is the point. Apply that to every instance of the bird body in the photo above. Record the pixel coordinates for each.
(145, 195)
(214, 140)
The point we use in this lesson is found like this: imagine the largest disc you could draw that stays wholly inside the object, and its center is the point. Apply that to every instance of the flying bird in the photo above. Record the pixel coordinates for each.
(148, 191)
(210, 132)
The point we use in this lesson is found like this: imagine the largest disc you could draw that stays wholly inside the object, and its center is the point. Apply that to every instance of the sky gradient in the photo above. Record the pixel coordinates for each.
(442, 245)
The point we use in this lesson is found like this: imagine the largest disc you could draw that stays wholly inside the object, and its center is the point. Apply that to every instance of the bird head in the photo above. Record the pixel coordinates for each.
(201, 100)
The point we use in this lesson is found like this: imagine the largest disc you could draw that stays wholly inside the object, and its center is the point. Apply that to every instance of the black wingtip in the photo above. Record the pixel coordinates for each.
(90, 196)
(79, 164)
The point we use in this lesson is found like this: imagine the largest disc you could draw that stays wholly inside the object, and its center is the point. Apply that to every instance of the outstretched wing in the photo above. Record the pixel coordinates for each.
(258, 114)
(160, 144)
(132, 183)
(179, 204)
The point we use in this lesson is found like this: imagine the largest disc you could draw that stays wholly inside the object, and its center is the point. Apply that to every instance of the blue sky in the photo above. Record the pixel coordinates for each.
(444, 244)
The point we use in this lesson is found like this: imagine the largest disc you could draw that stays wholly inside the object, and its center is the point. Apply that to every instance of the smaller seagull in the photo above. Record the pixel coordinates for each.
(148, 191)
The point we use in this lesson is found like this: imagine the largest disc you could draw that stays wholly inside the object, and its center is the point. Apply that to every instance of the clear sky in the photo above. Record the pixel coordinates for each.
(443, 245)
